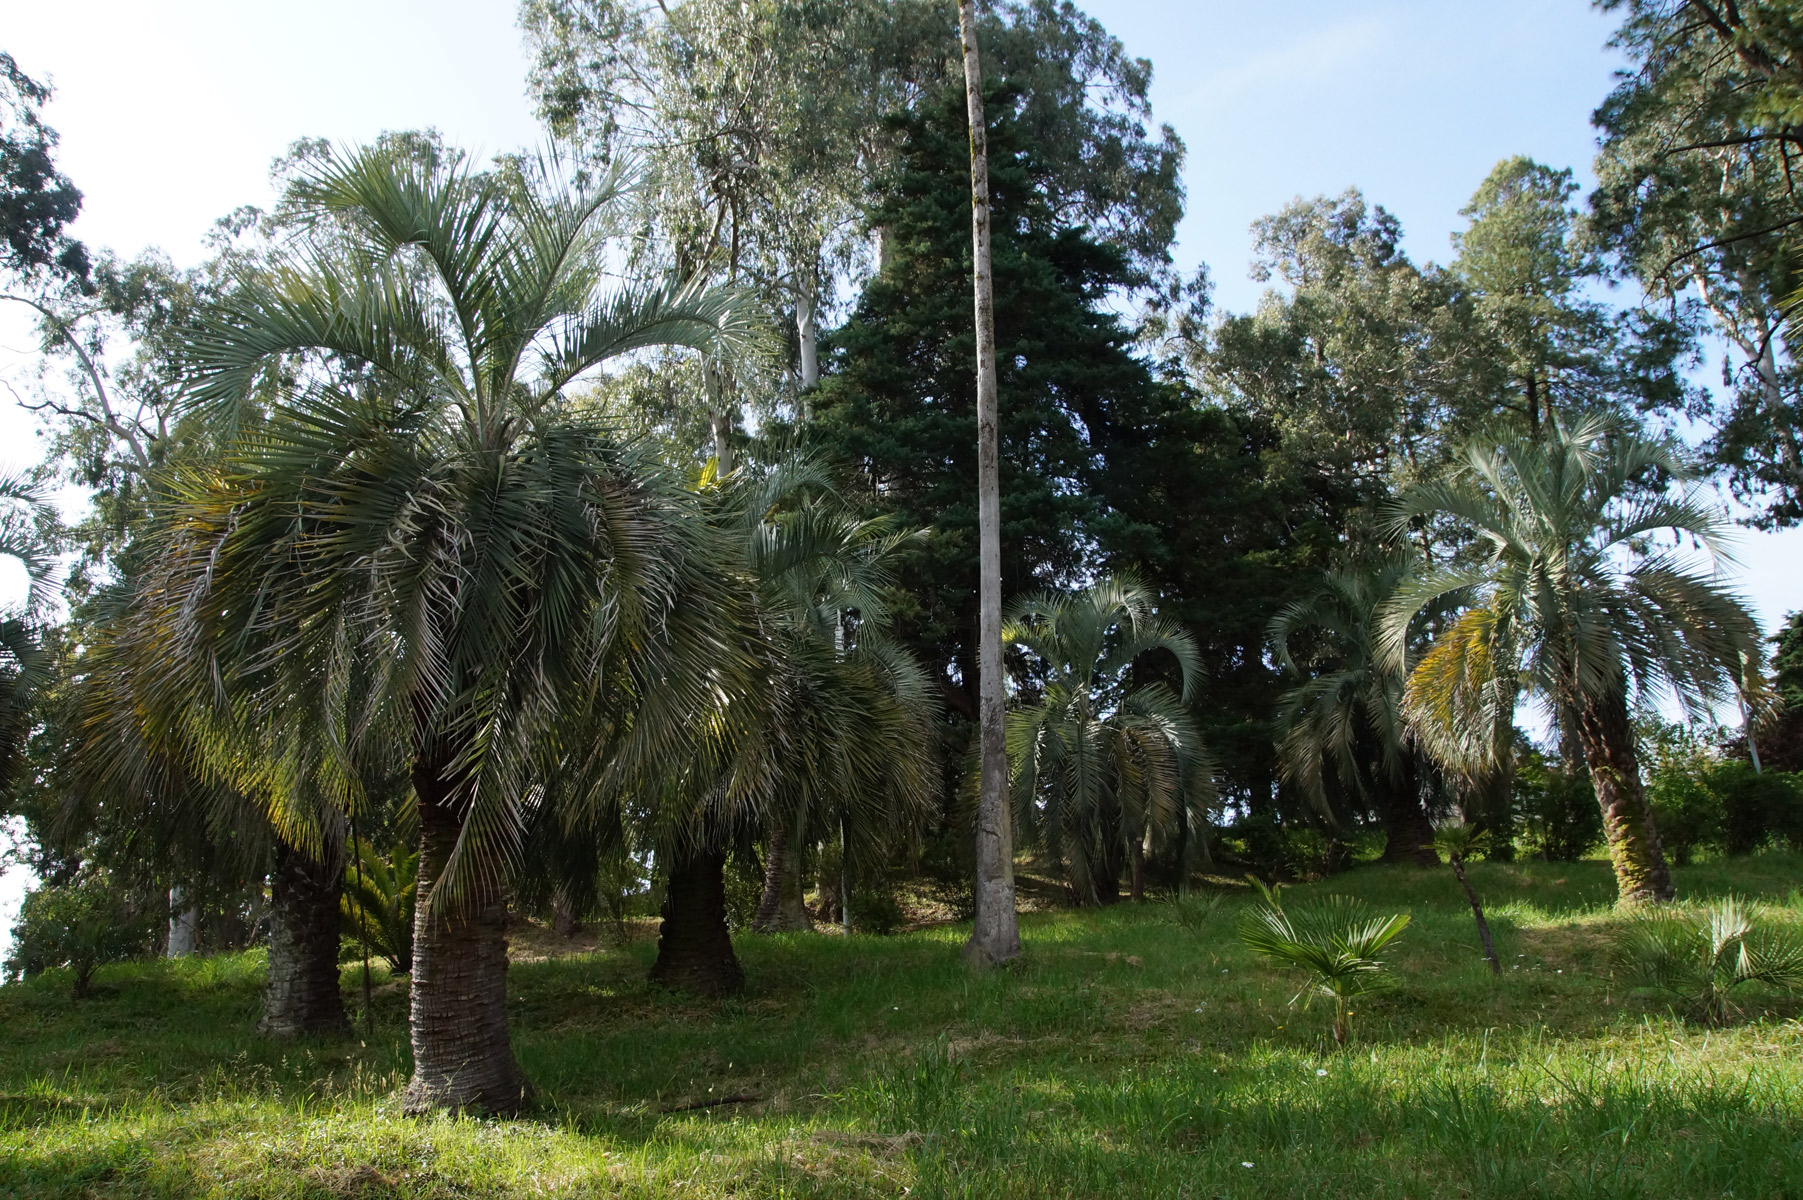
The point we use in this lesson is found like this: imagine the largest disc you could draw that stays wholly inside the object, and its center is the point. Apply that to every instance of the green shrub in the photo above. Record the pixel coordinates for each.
(377, 905)
(1560, 819)
(1335, 942)
(82, 925)
(1757, 809)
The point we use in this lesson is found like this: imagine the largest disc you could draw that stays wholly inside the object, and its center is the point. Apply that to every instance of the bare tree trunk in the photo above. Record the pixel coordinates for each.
(1641, 873)
(807, 330)
(1477, 912)
(694, 946)
(564, 922)
(184, 926)
(780, 909)
(720, 422)
(995, 937)
(462, 1058)
(302, 995)
(1409, 833)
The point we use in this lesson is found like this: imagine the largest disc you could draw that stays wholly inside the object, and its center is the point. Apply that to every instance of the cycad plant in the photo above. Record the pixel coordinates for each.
(377, 904)
(1104, 764)
(1334, 942)
(1702, 962)
(1567, 593)
(1344, 723)
(424, 555)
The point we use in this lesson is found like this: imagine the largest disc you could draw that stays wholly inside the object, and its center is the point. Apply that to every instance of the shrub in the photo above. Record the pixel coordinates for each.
(1335, 942)
(377, 905)
(1559, 815)
(82, 925)
(1701, 963)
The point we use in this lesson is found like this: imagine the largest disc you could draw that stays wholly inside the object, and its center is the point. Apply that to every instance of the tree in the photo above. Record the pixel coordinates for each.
(422, 559)
(1105, 766)
(995, 938)
(83, 924)
(1344, 723)
(1697, 203)
(36, 200)
(1567, 595)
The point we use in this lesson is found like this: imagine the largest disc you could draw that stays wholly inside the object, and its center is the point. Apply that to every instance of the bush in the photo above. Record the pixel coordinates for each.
(1334, 942)
(1757, 809)
(82, 925)
(1701, 963)
(1702, 800)
(1560, 819)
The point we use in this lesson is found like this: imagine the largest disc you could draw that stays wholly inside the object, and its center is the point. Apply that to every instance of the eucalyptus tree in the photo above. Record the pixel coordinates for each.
(1696, 201)
(37, 201)
(1106, 764)
(1343, 722)
(422, 559)
(1568, 595)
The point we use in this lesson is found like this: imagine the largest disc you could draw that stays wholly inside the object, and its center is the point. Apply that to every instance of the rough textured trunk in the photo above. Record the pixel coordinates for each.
(1477, 913)
(694, 946)
(1138, 866)
(462, 1058)
(563, 915)
(780, 909)
(1408, 830)
(302, 995)
(1641, 874)
(995, 936)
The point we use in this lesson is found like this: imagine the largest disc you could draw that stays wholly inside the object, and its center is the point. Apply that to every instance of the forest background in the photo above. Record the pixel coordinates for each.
(170, 116)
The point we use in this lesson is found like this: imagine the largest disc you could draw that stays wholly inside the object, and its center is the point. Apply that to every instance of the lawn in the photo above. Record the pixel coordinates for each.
(1128, 1055)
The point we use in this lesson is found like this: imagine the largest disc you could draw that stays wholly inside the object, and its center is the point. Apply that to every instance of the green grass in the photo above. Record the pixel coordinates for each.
(1127, 1056)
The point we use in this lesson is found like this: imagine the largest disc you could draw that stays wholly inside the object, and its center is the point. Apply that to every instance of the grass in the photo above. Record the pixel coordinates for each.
(1128, 1055)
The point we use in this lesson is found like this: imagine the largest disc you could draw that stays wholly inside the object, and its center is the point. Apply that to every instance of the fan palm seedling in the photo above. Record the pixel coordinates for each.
(1104, 766)
(1701, 963)
(423, 559)
(1334, 942)
(1569, 596)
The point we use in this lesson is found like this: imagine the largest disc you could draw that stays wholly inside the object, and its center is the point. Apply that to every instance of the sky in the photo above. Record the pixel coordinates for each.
(171, 112)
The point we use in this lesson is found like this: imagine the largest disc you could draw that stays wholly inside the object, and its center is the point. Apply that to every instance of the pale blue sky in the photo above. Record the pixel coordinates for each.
(172, 110)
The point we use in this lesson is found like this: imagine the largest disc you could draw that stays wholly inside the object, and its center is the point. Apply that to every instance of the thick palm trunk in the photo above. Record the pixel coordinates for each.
(1408, 831)
(1641, 874)
(995, 937)
(302, 995)
(780, 909)
(462, 1058)
(694, 946)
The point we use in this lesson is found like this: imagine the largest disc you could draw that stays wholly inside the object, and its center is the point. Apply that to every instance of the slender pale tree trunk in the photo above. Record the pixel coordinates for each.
(462, 1058)
(1607, 735)
(995, 938)
(694, 945)
(780, 909)
(720, 422)
(184, 923)
(302, 995)
(807, 332)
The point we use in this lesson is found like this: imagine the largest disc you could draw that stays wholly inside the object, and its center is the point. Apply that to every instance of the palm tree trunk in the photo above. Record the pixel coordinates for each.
(1641, 874)
(1409, 833)
(694, 946)
(1477, 912)
(302, 995)
(995, 936)
(462, 1058)
(780, 909)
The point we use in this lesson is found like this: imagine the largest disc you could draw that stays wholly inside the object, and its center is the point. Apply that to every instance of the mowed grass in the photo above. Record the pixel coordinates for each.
(1127, 1056)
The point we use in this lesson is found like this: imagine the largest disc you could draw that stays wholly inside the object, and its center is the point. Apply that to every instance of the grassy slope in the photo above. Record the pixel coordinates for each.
(1127, 1057)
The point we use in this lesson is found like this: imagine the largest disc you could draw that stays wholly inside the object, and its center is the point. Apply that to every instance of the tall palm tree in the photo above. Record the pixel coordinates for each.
(1346, 723)
(424, 557)
(1104, 765)
(1568, 596)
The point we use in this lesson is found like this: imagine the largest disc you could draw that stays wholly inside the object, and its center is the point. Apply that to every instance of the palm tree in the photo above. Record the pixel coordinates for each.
(1104, 765)
(424, 558)
(1334, 942)
(1567, 595)
(1346, 724)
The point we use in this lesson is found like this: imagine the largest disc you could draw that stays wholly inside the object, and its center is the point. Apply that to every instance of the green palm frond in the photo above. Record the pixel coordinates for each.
(1701, 963)
(1334, 942)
